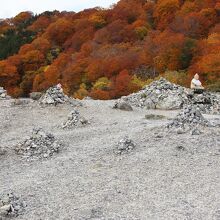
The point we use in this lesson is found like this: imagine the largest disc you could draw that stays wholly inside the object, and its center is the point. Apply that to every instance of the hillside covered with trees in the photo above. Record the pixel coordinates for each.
(108, 53)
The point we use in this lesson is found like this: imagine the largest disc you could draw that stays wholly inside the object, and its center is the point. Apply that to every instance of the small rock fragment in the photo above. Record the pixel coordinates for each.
(154, 117)
(196, 131)
(35, 95)
(123, 106)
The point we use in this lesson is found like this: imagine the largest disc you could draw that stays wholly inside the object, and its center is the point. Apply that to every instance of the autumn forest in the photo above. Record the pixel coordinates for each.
(108, 53)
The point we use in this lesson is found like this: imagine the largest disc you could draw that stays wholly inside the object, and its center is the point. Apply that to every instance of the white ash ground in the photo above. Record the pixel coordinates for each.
(40, 145)
(10, 206)
(166, 176)
(75, 119)
(165, 95)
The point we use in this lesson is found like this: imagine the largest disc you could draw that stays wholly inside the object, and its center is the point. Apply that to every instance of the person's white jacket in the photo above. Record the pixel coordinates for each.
(195, 83)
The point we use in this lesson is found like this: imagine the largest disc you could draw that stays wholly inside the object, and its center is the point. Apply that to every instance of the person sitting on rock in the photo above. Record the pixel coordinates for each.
(196, 84)
(59, 86)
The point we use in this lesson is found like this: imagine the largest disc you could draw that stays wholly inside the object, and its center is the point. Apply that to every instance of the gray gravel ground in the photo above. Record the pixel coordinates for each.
(167, 176)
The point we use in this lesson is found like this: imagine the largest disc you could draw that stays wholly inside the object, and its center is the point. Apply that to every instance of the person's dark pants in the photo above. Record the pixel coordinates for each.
(198, 91)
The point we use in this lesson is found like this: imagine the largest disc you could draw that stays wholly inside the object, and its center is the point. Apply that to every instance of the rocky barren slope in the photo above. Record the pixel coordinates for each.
(114, 164)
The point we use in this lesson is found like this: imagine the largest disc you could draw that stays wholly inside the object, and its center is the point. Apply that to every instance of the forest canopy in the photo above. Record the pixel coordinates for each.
(108, 53)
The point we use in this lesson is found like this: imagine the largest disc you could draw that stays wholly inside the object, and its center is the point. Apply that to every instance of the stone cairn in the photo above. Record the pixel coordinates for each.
(189, 119)
(74, 120)
(162, 94)
(125, 145)
(10, 206)
(3, 93)
(53, 96)
(207, 102)
(40, 145)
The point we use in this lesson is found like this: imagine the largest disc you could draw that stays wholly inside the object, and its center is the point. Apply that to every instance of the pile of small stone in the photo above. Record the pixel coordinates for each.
(207, 102)
(74, 120)
(10, 206)
(53, 96)
(125, 145)
(3, 93)
(189, 118)
(40, 145)
(160, 94)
